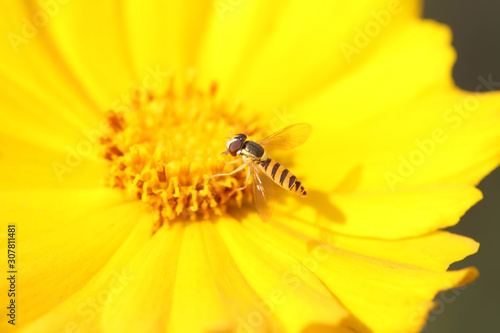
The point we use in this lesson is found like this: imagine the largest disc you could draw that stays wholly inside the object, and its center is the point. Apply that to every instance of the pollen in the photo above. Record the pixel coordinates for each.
(163, 147)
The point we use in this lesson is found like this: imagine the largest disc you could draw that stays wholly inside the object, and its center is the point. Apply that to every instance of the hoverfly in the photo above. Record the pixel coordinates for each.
(263, 169)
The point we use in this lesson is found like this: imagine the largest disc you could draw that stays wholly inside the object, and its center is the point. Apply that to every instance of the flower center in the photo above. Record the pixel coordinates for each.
(164, 146)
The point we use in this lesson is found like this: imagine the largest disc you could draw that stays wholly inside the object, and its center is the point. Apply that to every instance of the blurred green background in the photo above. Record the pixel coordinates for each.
(476, 38)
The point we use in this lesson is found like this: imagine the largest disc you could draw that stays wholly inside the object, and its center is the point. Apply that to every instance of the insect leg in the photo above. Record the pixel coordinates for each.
(241, 167)
(232, 162)
(246, 181)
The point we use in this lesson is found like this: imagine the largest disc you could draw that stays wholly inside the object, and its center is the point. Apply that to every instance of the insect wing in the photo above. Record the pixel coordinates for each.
(289, 137)
(263, 193)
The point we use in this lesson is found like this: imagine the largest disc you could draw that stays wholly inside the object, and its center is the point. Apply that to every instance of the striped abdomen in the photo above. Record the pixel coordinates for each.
(282, 176)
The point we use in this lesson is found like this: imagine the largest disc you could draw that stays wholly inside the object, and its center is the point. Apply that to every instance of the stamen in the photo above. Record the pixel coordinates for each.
(164, 147)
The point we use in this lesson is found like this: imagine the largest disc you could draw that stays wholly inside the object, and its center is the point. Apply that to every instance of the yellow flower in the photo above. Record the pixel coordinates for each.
(118, 229)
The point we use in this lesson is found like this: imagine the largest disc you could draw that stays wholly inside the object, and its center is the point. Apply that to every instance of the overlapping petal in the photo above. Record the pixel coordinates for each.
(165, 35)
(421, 135)
(283, 44)
(83, 310)
(29, 44)
(384, 214)
(385, 293)
(64, 238)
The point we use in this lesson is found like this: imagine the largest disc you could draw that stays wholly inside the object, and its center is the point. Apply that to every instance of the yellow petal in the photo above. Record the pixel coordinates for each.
(23, 99)
(58, 231)
(98, 57)
(384, 295)
(345, 115)
(233, 38)
(385, 214)
(193, 260)
(281, 280)
(397, 134)
(27, 46)
(144, 304)
(54, 147)
(223, 296)
(292, 43)
(22, 104)
(376, 87)
(424, 145)
(189, 275)
(26, 164)
(433, 251)
(471, 142)
(83, 310)
(164, 35)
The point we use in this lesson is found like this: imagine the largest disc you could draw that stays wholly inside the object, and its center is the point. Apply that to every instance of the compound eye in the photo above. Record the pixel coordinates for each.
(234, 147)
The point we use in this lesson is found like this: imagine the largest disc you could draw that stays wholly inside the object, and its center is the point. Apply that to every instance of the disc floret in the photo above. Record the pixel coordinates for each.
(165, 146)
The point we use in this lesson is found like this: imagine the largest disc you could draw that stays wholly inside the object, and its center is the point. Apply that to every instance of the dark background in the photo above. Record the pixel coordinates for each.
(476, 38)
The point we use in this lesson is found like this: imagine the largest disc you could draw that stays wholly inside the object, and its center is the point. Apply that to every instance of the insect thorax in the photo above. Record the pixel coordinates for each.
(252, 150)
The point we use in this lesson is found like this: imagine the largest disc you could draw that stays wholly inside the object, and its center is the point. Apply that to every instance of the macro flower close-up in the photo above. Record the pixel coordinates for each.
(121, 214)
